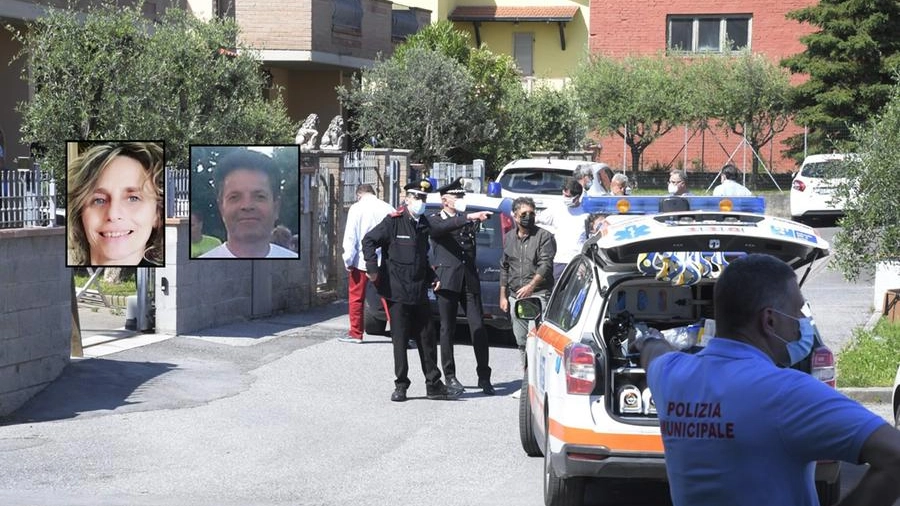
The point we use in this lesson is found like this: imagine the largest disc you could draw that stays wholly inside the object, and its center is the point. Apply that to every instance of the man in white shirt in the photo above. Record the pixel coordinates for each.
(248, 197)
(566, 222)
(362, 216)
(730, 187)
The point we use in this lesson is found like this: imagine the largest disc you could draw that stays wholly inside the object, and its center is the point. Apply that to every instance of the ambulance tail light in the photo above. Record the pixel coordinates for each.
(822, 365)
(581, 371)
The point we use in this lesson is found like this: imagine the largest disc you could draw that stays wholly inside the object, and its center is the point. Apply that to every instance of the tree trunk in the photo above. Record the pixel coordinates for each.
(116, 274)
(637, 151)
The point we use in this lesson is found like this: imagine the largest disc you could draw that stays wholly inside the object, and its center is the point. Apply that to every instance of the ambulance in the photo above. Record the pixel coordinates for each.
(585, 405)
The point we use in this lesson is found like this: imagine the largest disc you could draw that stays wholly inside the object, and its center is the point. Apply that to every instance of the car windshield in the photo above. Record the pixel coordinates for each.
(827, 169)
(541, 181)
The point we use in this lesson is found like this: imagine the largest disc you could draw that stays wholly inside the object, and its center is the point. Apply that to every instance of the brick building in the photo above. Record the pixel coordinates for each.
(619, 29)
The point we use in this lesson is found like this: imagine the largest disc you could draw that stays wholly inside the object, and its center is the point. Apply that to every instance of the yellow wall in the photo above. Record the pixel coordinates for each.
(550, 61)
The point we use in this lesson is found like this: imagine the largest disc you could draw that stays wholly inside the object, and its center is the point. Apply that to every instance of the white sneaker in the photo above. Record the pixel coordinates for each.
(517, 394)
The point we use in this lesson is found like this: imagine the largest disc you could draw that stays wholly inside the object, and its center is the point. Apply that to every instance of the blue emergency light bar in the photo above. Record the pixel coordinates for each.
(654, 205)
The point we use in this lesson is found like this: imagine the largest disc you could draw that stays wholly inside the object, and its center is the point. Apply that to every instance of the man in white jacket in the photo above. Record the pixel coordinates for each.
(362, 217)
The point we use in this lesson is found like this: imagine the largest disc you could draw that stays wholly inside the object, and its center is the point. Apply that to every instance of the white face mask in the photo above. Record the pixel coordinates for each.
(416, 207)
(588, 184)
(570, 201)
(673, 188)
(460, 205)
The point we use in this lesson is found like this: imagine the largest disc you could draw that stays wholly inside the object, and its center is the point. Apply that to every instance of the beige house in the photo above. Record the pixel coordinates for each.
(546, 38)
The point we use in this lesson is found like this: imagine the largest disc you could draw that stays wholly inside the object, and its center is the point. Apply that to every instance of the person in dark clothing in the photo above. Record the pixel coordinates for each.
(526, 268)
(402, 280)
(453, 239)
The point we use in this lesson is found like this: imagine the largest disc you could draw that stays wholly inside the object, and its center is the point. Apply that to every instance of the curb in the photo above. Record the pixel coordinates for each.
(868, 394)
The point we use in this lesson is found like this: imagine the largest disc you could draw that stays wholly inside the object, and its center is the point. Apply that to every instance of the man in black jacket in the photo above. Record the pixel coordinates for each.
(402, 280)
(453, 237)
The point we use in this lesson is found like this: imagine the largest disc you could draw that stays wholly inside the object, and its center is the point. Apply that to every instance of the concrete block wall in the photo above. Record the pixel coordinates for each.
(35, 312)
(209, 293)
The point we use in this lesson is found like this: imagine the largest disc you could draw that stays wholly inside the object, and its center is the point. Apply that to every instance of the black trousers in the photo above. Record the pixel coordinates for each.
(448, 301)
(413, 321)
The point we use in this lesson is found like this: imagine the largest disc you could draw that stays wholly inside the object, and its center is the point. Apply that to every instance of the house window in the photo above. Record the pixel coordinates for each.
(523, 52)
(347, 16)
(708, 34)
(403, 24)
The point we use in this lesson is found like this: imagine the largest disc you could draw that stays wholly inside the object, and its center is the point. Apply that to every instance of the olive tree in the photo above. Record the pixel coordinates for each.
(870, 231)
(747, 94)
(640, 98)
(423, 102)
(110, 74)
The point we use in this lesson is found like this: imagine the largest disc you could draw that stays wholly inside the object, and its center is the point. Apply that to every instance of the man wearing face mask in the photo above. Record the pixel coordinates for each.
(526, 267)
(402, 280)
(584, 175)
(453, 239)
(566, 222)
(678, 184)
(739, 425)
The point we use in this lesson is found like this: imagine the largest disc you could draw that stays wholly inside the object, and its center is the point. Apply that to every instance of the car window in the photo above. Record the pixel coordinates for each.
(488, 234)
(831, 168)
(569, 295)
(535, 180)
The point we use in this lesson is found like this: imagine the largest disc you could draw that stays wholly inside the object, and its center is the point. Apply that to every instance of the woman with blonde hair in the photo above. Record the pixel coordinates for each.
(115, 205)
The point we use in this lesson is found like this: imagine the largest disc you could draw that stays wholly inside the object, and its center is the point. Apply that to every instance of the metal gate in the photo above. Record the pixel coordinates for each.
(325, 221)
(358, 168)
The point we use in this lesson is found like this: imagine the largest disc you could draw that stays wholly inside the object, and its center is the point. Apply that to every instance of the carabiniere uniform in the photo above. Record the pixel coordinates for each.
(403, 278)
(453, 238)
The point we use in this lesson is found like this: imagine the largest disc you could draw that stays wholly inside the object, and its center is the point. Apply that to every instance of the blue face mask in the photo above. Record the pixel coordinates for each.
(799, 349)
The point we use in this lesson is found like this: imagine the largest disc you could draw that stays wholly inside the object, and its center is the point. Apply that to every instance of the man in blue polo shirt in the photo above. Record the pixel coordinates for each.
(741, 427)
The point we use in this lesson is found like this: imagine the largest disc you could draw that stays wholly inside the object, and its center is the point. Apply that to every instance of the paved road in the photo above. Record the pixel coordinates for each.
(838, 306)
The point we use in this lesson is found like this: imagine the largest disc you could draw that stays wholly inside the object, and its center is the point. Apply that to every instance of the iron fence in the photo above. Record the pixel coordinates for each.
(27, 198)
(472, 175)
(358, 168)
(178, 193)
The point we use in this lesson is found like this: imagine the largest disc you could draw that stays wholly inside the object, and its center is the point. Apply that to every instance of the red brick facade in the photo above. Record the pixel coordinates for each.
(619, 29)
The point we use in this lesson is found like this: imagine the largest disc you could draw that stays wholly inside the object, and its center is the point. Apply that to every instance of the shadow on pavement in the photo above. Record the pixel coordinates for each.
(86, 386)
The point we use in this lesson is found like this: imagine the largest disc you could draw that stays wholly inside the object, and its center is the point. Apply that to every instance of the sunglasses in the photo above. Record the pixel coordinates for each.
(526, 214)
(675, 182)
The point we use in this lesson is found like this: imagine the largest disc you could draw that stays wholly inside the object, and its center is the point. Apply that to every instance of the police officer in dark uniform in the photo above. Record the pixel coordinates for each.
(453, 238)
(402, 280)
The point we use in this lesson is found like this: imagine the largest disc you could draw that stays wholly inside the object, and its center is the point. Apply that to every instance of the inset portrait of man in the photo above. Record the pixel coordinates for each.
(115, 203)
(247, 185)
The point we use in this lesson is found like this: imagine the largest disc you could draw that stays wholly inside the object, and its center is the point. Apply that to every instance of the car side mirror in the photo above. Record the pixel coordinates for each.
(528, 308)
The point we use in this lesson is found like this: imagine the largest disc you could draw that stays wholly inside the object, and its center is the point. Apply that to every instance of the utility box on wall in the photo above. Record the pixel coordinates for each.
(891, 308)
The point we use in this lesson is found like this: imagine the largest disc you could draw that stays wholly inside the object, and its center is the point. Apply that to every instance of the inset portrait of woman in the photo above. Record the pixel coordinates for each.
(115, 205)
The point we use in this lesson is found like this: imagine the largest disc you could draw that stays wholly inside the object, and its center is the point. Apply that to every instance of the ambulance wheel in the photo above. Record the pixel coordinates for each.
(559, 491)
(526, 422)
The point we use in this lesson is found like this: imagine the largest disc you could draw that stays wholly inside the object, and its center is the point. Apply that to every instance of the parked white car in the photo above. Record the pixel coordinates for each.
(542, 179)
(812, 189)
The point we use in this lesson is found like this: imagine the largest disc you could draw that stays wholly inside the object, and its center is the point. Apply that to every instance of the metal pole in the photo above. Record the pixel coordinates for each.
(142, 302)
